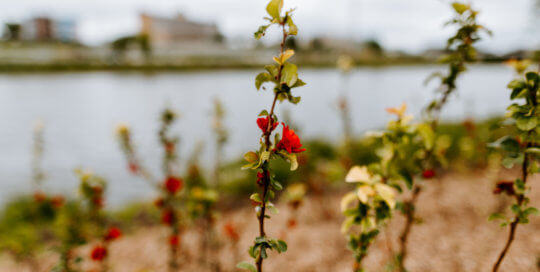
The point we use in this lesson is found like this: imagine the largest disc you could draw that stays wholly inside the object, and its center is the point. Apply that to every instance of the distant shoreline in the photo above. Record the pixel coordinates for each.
(207, 66)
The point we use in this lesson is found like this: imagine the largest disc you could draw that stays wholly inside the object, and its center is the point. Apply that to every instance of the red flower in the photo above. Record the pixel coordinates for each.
(505, 187)
(290, 141)
(57, 201)
(113, 234)
(174, 240)
(98, 253)
(263, 123)
(173, 184)
(133, 168)
(428, 173)
(230, 231)
(169, 147)
(291, 223)
(260, 178)
(98, 201)
(39, 197)
(167, 217)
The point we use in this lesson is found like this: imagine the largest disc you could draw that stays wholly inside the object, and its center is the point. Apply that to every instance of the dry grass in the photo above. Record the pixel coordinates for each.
(453, 235)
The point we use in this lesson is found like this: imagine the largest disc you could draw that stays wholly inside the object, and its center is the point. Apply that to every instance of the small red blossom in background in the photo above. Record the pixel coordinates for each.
(230, 231)
(169, 147)
(166, 217)
(505, 187)
(57, 201)
(174, 240)
(98, 201)
(264, 122)
(290, 141)
(98, 253)
(173, 184)
(428, 173)
(133, 168)
(39, 197)
(112, 234)
(291, 223)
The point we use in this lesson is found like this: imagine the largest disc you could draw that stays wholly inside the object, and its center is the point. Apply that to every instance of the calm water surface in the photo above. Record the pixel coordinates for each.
(81, 111)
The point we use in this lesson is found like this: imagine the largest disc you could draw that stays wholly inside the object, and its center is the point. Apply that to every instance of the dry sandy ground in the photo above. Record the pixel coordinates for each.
(454, 235)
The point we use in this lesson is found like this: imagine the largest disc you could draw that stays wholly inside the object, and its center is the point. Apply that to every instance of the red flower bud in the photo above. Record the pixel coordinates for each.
(428, 173)
(39, 197)
(264, 122)
(57, 201)
(98, 253)
(174, 240)
(167, 217)
(291, 223)
(98, 201)
(169, 147)
(133, 168)
(113, 234)
(230, 231)
(173, 184)
(289, 141)
(505, 187)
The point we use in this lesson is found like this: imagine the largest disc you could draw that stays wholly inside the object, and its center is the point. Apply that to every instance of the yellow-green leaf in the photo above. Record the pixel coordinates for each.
(274, 8)
(347, 199)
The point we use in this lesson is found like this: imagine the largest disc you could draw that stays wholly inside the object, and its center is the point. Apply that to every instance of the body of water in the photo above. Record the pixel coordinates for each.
(81, 110)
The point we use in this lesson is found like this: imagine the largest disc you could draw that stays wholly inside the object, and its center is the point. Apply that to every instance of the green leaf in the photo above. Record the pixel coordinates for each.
(459, 7)
(251, 156)
(530, 210)
(255, 197)
(260, 32)
(282, 246)
(532, 77)
(533, 150)
(299, 83)
(526, 123)
(289, 74)
(263, 113)
(262, 78)
(246, 266)
(496, 216)
(274, 8)
(293, 29)
(516, 83)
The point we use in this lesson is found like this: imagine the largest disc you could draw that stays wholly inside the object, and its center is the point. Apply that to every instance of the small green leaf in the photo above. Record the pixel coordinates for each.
(459, 7)
(246, 266)
(289, 74)
(263, 113)
(251, 156)
(526, 123)
(274, 8)
(255, 197)
(262, 78)
(496, 216)
(282, 246)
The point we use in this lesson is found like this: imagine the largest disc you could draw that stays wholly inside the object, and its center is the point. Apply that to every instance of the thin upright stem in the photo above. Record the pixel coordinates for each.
(409, 220)
(520, 197)
(515, 222)
(268, 143)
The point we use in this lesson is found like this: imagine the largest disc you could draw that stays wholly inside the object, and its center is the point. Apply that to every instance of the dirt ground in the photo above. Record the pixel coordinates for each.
(453, 234)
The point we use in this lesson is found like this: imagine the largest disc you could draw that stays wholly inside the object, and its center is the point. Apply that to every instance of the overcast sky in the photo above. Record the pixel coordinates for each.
(411, 25)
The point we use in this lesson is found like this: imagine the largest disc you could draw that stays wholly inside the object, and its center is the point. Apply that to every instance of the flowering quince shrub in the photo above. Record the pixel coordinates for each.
(92, 189)
(520, 149)
(462, 51)
(284, 77)
(401, 152)
(170, 200)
